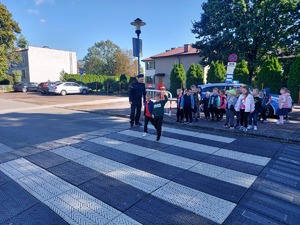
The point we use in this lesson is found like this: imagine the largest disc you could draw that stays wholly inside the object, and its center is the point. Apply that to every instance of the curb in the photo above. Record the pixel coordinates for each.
(232, 132)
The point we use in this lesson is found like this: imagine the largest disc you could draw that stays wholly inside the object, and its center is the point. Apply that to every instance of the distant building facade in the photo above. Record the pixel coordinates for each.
(42, 64)
(158, 67)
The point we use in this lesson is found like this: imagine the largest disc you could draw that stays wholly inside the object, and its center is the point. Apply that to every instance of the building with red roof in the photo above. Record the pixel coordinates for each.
(158, 67)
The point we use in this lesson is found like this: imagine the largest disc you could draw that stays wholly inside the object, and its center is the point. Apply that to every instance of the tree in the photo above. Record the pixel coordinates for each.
(22, 42)
(62, 76)
(177, 78)
(125, 63)
(251, 29)
(8, 31)
(241, 72)
(94, 65)
(194, 75)
(17, 76)
(107, 58)
(294, 78)
(101, 58)
(270, 75)
(216, 72)
(200, 74)
(123, 78)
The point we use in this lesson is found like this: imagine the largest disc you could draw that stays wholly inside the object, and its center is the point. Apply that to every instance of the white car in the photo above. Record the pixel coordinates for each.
(64, 88)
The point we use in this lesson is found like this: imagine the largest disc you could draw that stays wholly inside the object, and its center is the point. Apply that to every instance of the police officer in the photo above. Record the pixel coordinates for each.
(137, 93)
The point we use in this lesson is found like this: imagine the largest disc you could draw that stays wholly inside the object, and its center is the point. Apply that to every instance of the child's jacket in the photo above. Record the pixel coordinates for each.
(159, 107)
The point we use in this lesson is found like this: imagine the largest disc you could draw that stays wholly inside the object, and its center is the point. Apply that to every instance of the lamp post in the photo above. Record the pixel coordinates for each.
(138, 23)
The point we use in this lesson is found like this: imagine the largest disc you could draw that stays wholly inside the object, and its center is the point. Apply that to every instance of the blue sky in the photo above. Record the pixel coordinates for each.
(77, 24)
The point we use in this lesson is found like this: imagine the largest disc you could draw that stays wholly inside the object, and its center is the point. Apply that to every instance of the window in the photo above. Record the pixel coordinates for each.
(150, 66)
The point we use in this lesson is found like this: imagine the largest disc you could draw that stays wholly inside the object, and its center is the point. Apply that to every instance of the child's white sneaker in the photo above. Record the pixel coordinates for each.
(144, 134)
(255, 128)
(249, 127)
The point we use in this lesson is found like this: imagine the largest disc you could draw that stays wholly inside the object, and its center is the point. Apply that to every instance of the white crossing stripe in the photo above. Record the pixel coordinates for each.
(240, 156)
(217, 172)
(69, 202)
(197, 134)
(4, 148)
(134, 177)
(203, 204)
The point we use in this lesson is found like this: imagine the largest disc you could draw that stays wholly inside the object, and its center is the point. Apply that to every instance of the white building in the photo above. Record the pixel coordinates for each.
(42, 63)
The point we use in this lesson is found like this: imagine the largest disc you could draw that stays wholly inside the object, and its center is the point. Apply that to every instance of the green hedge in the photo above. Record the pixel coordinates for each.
(89, 78)
(114, 84)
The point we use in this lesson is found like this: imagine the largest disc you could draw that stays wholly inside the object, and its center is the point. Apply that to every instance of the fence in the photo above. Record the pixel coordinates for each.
(169, 105)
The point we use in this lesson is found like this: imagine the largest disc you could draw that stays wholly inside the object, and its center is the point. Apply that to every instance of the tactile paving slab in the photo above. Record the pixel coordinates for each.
(70, 203)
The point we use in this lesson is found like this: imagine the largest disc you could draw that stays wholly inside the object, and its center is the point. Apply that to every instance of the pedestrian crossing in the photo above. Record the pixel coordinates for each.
(205, 193)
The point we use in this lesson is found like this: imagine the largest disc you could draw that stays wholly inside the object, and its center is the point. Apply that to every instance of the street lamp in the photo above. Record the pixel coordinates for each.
(138, 23)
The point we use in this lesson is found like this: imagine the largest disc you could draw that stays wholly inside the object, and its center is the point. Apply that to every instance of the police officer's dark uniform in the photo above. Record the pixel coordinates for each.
(137, 93)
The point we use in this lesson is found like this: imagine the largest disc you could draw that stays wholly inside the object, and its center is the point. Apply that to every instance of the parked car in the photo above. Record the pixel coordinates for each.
(44, 87)
(64, 88)
(272, 111)
(221, 86)
(26, 86)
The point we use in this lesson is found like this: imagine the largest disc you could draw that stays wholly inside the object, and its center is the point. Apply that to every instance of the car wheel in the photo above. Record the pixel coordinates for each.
(84, 91)
(24, 90)
(63, 92)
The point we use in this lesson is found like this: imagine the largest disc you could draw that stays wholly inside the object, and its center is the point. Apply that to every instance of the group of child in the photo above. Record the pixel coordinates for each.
(238, 102)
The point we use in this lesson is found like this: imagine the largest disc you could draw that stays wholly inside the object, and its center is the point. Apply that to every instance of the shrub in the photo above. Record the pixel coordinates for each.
(294, 78)
(177, 78)
(95, 85)
(194, 75)
(270, 75)
(216, 72)
(241, 72)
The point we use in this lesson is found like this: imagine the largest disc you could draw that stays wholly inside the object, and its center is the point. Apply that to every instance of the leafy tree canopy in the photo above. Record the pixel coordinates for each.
(177, 78)
(22, 42)
(194, 75)
(241, 72)
(8, 31)
(216, 72)
(270, 75)
(107, 58)
(252, 29)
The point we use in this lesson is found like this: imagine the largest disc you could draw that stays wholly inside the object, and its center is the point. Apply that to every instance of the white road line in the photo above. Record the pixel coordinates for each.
(69, 202)
(134, 177)
(4, 148)
(197, 134)
(240, 156)
(203, 204)
(217, 172)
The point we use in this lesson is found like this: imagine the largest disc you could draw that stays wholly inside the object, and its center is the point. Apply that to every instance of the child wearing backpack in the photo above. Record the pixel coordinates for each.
(214, 105)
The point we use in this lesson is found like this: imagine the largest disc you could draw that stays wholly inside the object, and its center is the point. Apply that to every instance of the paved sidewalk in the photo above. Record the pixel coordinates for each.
(286, 133)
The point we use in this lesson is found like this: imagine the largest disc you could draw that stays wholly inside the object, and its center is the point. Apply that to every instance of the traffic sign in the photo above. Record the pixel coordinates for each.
(232, 58)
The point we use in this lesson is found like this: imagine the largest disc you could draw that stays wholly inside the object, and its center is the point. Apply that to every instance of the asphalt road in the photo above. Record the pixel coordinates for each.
(62, 166)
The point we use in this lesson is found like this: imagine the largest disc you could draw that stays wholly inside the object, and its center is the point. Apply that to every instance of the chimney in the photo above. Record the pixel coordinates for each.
(186, 47)
(173, 48)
